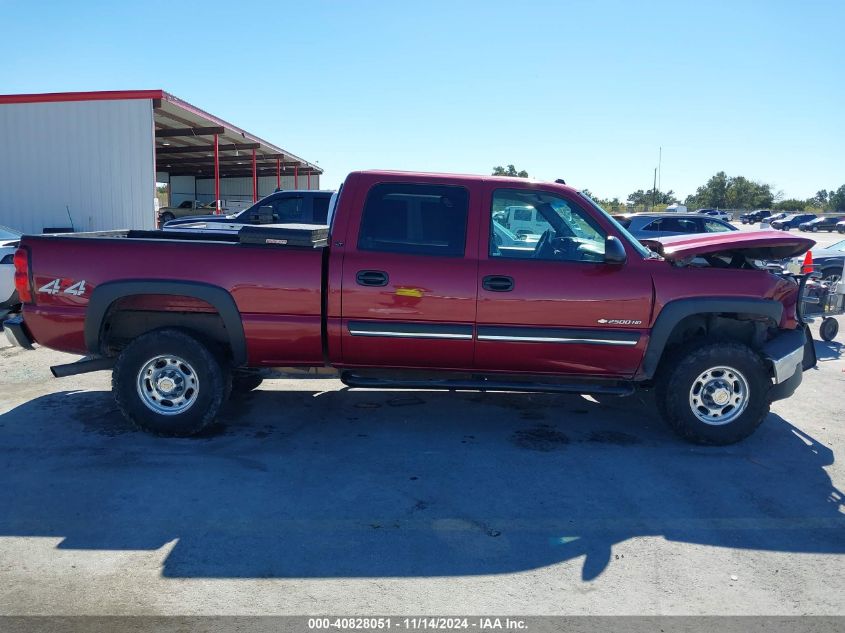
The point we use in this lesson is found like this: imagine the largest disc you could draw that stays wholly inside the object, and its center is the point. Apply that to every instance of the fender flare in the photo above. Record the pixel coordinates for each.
(104, 295)
(675, 311)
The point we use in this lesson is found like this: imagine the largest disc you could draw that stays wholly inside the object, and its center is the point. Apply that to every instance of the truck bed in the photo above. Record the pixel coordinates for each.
(277, 288)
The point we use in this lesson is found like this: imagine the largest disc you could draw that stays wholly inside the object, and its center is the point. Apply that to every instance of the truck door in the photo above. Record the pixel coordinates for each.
(547, 302)
(409, 287)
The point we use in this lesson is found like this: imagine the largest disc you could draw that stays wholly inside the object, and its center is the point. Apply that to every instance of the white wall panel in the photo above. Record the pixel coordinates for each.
(182, 188)
(91, 158)
(241, 188)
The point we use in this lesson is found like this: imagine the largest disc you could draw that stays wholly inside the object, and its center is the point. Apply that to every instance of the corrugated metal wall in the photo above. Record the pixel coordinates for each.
(93, 158)
(241, 188)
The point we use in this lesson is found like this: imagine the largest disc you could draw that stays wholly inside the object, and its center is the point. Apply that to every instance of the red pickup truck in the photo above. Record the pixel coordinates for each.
(418, 283)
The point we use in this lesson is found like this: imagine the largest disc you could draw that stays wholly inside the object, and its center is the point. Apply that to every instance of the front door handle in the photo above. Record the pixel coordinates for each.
(371, 278)
(497, 283)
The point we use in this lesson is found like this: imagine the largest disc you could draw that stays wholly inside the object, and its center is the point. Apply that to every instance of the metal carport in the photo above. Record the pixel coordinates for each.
(91, 160)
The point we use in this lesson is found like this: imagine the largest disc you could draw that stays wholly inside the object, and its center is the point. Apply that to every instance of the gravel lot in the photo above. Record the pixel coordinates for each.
(311, 499)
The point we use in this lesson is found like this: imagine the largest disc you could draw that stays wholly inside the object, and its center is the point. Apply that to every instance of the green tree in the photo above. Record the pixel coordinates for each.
(737, 192)
(821, 198)
(510, 170)
(837, 199)
(791, 204)
(651, 197)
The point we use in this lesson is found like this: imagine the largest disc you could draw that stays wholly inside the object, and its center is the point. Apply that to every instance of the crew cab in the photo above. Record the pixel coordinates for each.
(414, 286)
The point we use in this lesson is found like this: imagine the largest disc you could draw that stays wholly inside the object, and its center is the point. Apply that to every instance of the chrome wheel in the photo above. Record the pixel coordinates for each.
(168, 385)
(832, 279)
(719, 395)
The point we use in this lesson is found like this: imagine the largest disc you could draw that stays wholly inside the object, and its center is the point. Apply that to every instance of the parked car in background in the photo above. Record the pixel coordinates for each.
(521, 221)
(715, 213)
(308, 206)
(187, 207)
(646, 225)
(772, 218)
(821, 223)
(840, 226)
(828, 261)
(792, 221)
(754, 216)
(8, 244)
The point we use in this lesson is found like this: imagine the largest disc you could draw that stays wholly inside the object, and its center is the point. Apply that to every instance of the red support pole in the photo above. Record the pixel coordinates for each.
(216, 176)
(254, 179)
(296, 177)
(278, 173)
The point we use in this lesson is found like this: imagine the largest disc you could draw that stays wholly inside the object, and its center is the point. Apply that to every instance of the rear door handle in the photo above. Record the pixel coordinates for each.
(371, 278)
(497, 283)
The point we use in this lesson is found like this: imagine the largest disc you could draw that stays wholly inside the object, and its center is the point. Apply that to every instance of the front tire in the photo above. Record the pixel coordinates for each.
(168, 383)
(713, 393)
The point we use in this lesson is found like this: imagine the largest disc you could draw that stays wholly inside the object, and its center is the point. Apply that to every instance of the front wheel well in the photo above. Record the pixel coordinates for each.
(749, 329)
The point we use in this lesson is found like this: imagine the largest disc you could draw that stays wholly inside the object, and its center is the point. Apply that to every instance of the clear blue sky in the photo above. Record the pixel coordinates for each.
(586, 91)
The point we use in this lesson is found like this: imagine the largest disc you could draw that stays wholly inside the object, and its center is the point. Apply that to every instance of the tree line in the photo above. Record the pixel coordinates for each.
(719, 192)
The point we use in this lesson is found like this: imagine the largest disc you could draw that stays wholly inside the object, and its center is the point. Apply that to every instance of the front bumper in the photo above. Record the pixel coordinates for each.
(17, 332)
(789, 355)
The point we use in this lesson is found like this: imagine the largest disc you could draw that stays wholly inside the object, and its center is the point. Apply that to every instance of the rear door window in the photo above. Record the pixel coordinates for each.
(321, 209)
(288, 210)
(415, 219)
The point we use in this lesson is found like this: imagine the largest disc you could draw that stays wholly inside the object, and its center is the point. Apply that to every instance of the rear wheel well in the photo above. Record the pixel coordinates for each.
(130, 317)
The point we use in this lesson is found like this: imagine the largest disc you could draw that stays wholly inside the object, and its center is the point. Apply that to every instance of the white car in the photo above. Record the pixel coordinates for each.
(8, 244)
(719, 215)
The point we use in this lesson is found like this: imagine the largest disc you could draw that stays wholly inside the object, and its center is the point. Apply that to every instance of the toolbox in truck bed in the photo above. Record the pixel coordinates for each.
(309, 235)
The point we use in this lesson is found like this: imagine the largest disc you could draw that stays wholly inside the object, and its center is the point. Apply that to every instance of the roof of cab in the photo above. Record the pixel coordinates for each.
(422, 175)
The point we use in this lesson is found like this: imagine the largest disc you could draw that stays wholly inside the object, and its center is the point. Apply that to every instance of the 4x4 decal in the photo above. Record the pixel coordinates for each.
(55, 287)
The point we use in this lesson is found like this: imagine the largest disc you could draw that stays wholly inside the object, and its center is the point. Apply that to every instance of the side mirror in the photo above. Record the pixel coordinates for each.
(614, 251)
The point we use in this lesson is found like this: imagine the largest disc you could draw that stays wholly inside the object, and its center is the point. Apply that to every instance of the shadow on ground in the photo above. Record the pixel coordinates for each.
(340, 483)
(828, 350)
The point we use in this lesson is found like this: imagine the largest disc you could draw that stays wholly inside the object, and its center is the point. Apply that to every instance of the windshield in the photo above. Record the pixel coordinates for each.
(642, 250)
(8, 234)
(839, 246)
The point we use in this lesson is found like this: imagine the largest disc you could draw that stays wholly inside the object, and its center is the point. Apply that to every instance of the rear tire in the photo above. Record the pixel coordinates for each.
(713, 393)
(168, 383)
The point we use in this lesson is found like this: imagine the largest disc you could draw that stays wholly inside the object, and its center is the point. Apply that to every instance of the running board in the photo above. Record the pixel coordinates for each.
(356, 381)
(82, 366)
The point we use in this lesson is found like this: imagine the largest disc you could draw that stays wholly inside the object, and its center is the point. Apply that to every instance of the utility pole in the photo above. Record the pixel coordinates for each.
(660, 169)
(654, 189)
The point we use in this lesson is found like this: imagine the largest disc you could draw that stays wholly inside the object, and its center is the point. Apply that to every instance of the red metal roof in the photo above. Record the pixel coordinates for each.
(100, 95)
(112, 95)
